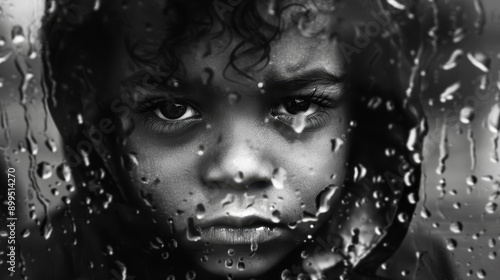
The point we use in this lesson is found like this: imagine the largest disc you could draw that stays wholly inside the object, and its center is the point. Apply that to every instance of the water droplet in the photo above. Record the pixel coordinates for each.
(200, 211)
(172, 244)
(201, 150)
(238, 178)
(456, 227)
(4, 55)
(64, 172)
(26, 233)
(171, 277)
(165, 255)
(249, 200)
(374, 102)
(336, 144)
(276, 216)
(130, 161)
(491, 207)
(51, 145)
(204, 258)
(47, 230)
(451, 244)
(231, 252)
(359, 172)
(480, 60)
(453, 60)
(228, 199)
(449, 92)
(325, 198)
(471, 180)
(241, 266)
(55, 192)
(66, 200)
(494, 119)
(403, 217)
(44, 170)
(233, 98)
(190, 275)
(443, 150)
(229, 263)
(396, 4)
(254, 246)
(17, 35)
(299, 122)
(412, 198)
(279, 178)
(286, 275)
(467, 115)
(192, 233)
(481, 274)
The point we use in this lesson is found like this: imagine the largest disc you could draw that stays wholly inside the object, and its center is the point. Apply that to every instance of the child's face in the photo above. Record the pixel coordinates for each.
(234, 157)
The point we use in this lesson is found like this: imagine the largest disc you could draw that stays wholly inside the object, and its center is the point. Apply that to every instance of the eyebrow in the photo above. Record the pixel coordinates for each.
(314, 77)
(159, 81)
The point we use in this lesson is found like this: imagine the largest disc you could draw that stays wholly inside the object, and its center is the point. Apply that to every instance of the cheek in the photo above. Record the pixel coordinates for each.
(165, 178)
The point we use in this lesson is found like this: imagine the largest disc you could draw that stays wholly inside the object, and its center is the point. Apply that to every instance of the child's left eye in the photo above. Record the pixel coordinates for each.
(173, 110)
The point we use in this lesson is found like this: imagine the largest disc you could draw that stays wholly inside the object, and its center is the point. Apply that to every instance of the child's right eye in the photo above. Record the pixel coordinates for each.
(173, 110)
(169, 117)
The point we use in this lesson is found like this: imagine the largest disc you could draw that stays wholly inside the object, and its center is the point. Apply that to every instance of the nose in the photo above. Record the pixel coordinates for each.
(238, 162)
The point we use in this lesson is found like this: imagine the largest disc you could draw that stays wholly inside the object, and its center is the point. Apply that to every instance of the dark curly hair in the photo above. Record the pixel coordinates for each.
(386, 131)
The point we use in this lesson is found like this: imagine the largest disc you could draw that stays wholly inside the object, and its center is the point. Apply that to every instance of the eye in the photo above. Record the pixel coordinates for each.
(295, 106)
(175, 110)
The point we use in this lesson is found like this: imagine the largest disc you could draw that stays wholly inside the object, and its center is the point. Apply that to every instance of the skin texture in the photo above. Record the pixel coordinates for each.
(235, 136)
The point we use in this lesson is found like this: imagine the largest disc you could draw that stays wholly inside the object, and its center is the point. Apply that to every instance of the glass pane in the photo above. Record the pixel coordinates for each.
(233, 139)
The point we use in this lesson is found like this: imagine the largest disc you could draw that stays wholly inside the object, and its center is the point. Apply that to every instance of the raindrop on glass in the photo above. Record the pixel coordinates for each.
(299, 122)
(467, 115)
(51, 145)
(480, 60)
(44, 170)
(238, 178)
(490, 207)
(451, 244)
(481, 274)
(279, 178)
(17, 35)
(192, 234)
(64, 172)
(449, 92)
(200, 211)
(456, 227)
(190, 275)
(276, 216)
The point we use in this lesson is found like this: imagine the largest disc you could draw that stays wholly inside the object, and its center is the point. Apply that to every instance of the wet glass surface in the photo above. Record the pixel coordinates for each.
(250, 139)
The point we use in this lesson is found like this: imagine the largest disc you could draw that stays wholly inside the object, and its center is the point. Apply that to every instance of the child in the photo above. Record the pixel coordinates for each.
(238, 139)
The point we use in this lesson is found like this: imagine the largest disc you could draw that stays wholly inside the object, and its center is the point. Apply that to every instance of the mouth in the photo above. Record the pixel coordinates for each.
(231, 230)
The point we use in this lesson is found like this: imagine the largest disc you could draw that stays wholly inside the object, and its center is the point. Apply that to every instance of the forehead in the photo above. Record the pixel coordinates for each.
(290, 55)
(225, 54)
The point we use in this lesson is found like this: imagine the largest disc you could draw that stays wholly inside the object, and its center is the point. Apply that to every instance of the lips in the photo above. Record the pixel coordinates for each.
(234, 230)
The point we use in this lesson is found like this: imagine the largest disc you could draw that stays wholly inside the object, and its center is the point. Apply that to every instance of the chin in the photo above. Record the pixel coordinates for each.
(239, 261)
(252, 268)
